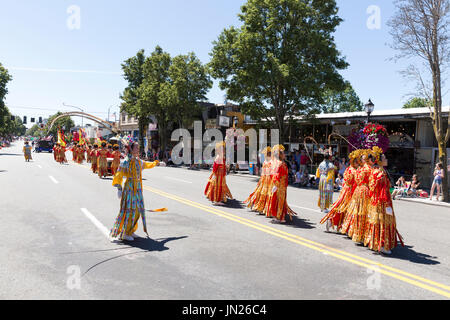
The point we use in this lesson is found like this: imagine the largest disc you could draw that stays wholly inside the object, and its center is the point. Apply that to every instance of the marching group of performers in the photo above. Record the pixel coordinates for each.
(97, 157)
(269, 197)
(364, 210)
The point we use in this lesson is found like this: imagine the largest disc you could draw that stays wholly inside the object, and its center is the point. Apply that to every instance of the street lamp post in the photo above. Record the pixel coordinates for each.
(369, 109)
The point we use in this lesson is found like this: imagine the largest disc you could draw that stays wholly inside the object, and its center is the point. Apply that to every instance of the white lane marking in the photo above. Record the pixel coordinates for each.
(178, 180)
(39, 167)
(97, 223)
(53, 179)
(314, 210)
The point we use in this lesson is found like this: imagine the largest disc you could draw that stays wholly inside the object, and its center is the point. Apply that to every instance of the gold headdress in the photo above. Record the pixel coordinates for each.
(220, 144)
(278, 148)
(266, 150)
(377, 152)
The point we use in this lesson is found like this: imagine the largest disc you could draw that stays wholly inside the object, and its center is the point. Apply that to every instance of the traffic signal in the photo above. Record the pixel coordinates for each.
(42, 126)
(40, 119)
(32, 120)
(13, 118)
(24, 119)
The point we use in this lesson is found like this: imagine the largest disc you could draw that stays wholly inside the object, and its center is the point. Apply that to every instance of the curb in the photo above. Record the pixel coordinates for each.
(427, 202)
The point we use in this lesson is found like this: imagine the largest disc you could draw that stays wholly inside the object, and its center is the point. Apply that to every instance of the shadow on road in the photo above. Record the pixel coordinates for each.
(11, 154)
(233, 204)
(407, 253)
(145, 244)
(297, 222)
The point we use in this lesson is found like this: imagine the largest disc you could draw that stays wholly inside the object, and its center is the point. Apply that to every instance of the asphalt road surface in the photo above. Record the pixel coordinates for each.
(55, 221)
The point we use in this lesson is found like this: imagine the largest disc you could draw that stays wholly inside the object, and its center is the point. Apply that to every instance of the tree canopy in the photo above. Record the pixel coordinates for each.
(342, 101)
(167, 88)
(417, 102)
(281, 60)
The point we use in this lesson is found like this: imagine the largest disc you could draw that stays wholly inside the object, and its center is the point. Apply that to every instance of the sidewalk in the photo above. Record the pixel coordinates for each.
(425, 201)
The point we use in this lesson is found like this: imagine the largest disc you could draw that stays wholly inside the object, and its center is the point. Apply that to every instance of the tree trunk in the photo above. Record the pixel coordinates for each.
(142, 133)
(443, 160)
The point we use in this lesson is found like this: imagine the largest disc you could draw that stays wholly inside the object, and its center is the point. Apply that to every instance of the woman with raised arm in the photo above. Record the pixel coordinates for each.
(131, 197)
(216, 189)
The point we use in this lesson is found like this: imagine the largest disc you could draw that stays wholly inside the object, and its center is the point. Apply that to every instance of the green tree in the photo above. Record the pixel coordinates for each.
(342, 101)
(281, 60)
(34, 131)
(187, 86)
(417, 103)
(5, 115)
(420, 30)
(155, 91)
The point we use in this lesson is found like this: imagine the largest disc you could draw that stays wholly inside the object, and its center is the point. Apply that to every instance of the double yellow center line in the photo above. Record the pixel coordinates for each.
(398, 274)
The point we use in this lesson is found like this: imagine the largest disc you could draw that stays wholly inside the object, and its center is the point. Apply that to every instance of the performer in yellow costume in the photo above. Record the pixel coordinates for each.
(381, 233)
(27, 152)
(338, 212)
(257, 200)
(132, 200)
(325, 172)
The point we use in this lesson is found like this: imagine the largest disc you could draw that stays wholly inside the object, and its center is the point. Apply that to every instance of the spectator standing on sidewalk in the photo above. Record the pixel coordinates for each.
(437, 181)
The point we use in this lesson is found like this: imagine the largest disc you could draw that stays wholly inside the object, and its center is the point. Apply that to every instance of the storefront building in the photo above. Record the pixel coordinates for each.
(413, 147)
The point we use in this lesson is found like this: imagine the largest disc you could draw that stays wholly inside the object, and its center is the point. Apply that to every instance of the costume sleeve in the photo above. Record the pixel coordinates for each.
(150, 165)
(118, 177)
(317, 173)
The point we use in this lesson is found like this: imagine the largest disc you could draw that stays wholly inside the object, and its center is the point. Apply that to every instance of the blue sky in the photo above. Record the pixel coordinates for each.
(42, 53)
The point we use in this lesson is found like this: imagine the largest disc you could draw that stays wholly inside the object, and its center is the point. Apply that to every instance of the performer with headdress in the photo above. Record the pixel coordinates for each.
(277, 206)
(80, 154)
(56, 152)
(356, 220)
(102, 159)
(94, 158)
(132, 200)
(381, 233)
(216, 189)
(27, 151)
(116, 154)
(88, 153)
(338, 211)
(257, 200)
(62, 154)
(326, 173)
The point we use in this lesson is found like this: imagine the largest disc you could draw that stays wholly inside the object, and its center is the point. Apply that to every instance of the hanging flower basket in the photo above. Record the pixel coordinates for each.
(368, 137)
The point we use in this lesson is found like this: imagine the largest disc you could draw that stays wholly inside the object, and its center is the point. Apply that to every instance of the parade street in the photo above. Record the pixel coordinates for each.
(56, 220)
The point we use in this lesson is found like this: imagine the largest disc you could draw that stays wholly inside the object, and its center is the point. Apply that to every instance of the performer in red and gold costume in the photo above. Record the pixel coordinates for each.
(356, 219)
(338, 212)
(116, 162)
(74, 150)
(277, 205)
(102, 160)
(56, 152)
(216, 189)
(80, 154)
(94, 158)
(88, 153)
(257, 200)
(381, 233)
(62, 154)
